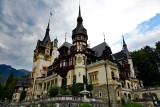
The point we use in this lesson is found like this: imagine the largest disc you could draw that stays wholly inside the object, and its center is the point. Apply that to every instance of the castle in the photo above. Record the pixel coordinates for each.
(113, 76)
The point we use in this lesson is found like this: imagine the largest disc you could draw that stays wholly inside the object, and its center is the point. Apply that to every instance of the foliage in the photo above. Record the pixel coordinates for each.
(131, 104)
(123, 101)
(8, 88)
(146, 60)
(76, 88)
(89, 87)
(85, 105)
(10, 79)
(22, 96)
(53, 91)
(64, 91)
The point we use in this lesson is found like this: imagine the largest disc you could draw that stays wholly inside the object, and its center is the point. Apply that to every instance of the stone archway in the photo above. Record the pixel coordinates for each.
(129, 96)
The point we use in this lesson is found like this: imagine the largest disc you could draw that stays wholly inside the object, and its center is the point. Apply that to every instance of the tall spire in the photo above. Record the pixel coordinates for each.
(125, 49)
(47, 37)
(124, 43)
(79, 28)
(79, 19)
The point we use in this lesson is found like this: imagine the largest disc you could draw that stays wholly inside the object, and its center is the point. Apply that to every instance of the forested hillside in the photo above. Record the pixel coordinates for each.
(6, 70)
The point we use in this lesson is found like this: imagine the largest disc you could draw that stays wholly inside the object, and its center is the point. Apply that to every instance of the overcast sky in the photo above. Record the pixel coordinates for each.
(23, 22)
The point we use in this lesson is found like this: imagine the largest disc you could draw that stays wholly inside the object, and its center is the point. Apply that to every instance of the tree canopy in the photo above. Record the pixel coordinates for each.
(147, 61)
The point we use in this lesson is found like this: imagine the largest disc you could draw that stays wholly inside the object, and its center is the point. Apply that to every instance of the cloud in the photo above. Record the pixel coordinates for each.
(24, 22)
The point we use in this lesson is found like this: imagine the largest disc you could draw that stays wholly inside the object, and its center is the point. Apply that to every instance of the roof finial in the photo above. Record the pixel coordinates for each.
(104, 36)
(65, 36)
(79, 9)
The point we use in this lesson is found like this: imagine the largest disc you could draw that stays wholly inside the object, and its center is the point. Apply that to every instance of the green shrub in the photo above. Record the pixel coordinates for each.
(131, 104)
(22, 96)
(76, 88)
(64, 91)
(123, 101)
(53, 91)
(89, 87)
(85, 105)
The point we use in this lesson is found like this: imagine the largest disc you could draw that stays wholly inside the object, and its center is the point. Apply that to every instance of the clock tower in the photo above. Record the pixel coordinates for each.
(42, 56)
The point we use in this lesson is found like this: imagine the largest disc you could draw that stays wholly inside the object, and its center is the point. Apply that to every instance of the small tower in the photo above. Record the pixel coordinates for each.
(54, 51)
(79, 41)
(129, 58)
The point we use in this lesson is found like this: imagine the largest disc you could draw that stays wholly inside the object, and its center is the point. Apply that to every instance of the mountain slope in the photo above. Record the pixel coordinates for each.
(6, 70)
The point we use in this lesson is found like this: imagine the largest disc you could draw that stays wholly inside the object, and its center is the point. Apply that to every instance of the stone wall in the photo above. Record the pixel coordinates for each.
(58, 101)
(101, 92)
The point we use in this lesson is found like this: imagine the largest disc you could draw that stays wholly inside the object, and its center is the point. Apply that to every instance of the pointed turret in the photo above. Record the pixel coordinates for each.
(47, 37)
(79, 29)
(79, 19)
(125, 49)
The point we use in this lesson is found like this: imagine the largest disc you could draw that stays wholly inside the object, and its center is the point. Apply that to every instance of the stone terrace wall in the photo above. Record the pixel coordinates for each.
(58, 101)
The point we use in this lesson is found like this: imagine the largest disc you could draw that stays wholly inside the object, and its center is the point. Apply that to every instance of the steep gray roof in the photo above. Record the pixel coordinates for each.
(65, 44)
(119, 55)
(22, 81)
(125, 49)
(47, 37)
(100, 48)
(79, 28)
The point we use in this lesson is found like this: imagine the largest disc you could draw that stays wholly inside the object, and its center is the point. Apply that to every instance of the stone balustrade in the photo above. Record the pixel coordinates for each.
(58, 101)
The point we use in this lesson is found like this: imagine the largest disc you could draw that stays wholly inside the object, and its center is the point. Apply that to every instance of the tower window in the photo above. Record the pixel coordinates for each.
(61, 63)
(45, 58)
(64, 63)
(83, 60)
(79, 37)
(112, 73)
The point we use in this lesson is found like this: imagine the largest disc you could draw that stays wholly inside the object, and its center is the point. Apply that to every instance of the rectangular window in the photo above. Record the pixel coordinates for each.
(93, 77)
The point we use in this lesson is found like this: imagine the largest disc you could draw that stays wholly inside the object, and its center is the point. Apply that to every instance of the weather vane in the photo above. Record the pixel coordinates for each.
(65, 36)
(104, 36)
